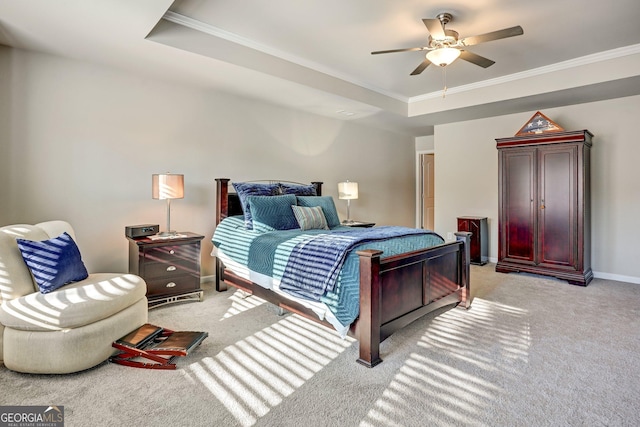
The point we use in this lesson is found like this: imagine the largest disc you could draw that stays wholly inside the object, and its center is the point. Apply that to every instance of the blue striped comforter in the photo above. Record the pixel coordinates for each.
(269, 253)
(314, 263)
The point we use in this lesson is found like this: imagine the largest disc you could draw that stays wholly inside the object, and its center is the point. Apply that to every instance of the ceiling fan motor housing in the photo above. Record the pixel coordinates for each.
(450, 39)
(445, 18)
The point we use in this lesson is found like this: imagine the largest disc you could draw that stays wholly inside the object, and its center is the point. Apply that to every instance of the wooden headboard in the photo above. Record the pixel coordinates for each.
(228, 204)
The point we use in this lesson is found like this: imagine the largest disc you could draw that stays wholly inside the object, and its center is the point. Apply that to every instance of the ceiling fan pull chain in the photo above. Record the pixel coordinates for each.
(444, 81)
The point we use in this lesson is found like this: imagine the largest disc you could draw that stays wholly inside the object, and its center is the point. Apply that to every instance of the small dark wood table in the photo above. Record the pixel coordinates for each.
(170, 266)
(477, 225)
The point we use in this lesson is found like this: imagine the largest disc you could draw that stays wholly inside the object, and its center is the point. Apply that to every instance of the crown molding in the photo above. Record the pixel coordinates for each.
(564, 65)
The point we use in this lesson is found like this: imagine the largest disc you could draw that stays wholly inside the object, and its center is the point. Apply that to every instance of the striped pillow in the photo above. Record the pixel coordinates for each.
(53, 262)
(327, 205)
(310, 218)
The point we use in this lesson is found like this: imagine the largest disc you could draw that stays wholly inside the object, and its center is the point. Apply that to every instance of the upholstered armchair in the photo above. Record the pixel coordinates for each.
(51, 326)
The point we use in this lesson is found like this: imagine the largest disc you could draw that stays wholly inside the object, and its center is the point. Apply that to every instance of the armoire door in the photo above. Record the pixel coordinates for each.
(518, 194)
(557, 206)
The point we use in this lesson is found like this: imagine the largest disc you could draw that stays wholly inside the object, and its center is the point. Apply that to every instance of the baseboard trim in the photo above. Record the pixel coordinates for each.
(208, 279)
(616, 277)
(600, 275)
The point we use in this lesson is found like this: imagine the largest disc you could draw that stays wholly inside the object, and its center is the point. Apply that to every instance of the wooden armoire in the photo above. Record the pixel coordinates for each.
(544, 222)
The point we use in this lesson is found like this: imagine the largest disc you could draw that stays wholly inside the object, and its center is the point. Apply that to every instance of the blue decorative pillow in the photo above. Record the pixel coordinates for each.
(310, 218)
(327, 205)
(273, 211)
(298, 189)
(54, 262)
(246, 189)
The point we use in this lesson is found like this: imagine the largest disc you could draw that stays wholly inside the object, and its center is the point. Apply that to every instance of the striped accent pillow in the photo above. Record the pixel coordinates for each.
(310, 218)
(53, 262)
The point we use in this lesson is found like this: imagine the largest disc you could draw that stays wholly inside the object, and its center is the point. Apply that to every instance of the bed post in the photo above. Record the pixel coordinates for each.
(369, 321)
(222, 211)
(465, 237)
(222, 199)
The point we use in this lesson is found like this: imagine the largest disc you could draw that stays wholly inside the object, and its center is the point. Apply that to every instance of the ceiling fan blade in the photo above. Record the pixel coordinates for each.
(494, 35)
(435, 28)
(476, 59)
(424, 64)
(398, 50)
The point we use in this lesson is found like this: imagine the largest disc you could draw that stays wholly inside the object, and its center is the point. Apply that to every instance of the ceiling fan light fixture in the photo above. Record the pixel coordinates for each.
(443, 56)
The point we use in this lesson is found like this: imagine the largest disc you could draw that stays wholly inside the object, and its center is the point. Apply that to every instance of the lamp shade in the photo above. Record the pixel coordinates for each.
(347, 190)
(443, 56)
(167, 186)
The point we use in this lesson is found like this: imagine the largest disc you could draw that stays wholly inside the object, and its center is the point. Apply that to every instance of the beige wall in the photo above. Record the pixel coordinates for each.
(424, 143)
(5, 100)
(467, 177)
(82, 142)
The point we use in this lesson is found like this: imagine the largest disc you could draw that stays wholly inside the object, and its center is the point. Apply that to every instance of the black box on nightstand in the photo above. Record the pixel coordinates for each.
(143, 230)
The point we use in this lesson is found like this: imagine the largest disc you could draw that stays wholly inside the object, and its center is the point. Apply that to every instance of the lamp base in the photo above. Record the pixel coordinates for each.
(167, 233)
(348, 221)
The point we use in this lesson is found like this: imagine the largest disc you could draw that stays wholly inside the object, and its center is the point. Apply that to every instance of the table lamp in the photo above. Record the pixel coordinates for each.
(167, 186)
(348, 191)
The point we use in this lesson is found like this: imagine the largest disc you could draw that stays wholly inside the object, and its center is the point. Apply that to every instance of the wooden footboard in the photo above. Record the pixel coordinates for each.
(394, 291)
(397, 290)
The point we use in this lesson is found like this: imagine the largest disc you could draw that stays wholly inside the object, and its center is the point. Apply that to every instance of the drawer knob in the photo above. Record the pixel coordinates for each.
(171, 268)
(172, 252)
(171, 285)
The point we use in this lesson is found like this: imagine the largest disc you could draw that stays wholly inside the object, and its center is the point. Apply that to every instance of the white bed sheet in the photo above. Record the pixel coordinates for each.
(268, 282)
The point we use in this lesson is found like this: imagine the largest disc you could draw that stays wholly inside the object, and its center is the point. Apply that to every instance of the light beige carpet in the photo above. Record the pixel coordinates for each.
(532, 351)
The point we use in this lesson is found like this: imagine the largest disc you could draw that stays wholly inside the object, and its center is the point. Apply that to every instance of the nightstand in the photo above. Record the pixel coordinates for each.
(170, 266)
(358, 224)
(479, 243)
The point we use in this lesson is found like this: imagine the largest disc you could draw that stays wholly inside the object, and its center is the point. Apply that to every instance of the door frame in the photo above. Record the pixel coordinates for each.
(419, 199)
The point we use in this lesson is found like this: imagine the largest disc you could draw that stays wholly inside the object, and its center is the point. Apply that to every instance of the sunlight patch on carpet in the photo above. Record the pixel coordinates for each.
(255, 374)
(240, 302)
(457, 392)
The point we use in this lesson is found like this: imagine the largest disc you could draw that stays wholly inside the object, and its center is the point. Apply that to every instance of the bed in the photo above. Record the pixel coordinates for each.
(394, 280)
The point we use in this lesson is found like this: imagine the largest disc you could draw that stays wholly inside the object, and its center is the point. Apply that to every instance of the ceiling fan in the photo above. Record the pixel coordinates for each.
(445, 47)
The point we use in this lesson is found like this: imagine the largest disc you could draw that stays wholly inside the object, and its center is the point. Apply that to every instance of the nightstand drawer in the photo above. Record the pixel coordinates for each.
(170, 269)
(172, 285)
(173, 253)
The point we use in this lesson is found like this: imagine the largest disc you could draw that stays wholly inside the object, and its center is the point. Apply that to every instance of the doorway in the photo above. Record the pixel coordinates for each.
(427, 194)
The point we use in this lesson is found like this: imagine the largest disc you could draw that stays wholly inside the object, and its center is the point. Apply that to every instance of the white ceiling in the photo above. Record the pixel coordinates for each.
(314, 55)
